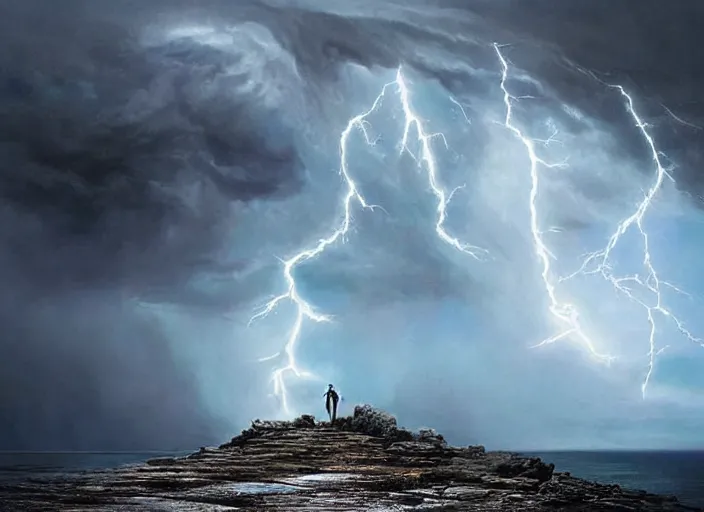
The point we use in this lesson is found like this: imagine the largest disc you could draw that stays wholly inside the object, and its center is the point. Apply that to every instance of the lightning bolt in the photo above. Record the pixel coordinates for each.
(566, 314)
(426, 158)
(651, 282)
(680, 120)
(304, 310)
(600, 262)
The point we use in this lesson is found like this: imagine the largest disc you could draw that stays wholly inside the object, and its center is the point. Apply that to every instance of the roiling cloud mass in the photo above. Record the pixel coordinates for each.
(165, 166)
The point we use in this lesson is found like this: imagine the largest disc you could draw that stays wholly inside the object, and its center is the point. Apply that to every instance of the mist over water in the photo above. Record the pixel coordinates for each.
(159, 161)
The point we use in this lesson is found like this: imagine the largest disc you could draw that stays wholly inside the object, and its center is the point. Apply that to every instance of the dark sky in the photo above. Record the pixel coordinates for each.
(158, 157)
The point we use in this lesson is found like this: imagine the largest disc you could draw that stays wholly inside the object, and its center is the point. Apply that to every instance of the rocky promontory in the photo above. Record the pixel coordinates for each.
(364, 462)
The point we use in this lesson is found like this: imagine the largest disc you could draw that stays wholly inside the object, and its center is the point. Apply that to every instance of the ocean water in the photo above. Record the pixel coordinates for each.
(21, 465)
(680, 473)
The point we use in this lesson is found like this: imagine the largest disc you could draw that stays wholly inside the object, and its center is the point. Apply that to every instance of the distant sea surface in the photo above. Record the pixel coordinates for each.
(677, 473)
(21, 465)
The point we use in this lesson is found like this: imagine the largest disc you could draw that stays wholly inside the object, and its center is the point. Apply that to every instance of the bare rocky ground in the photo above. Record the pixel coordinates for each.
(362, 463)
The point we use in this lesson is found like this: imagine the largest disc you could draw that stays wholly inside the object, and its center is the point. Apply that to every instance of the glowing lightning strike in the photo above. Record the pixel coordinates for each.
(566, 314)
(652, 282)
(427, 157)
(304, 310)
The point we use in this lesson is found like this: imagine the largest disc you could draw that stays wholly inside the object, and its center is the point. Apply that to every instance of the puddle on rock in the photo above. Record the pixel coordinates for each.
(259, 488)
(321, 478)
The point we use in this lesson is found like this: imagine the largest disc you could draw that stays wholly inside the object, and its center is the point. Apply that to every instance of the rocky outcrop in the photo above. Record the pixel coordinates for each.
(363, 462)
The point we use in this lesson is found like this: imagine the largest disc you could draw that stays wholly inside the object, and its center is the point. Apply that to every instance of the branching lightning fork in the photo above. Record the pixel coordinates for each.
(601, 260)
(566, 314)
(304, 310)
(652, 281)
(428, 158)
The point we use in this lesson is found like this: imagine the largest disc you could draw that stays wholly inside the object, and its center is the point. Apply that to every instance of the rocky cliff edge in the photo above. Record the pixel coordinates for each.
(364, 462)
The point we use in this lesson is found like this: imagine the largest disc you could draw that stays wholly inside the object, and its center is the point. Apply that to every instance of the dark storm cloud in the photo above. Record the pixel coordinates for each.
(647, 47)
(118, 171)
(102, 144)
(120, 160)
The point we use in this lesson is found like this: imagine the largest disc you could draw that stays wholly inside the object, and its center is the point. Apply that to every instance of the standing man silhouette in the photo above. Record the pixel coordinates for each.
(331, 399)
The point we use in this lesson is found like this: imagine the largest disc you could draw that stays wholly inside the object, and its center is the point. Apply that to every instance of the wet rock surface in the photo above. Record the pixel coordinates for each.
(363, 462)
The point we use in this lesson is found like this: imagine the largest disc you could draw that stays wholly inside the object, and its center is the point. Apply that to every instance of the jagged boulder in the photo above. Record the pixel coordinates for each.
(527, 468)
(400, 435)
(373, 422)
(304, 421)
(429, 435)
(426, 441)
(473, 452)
